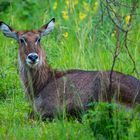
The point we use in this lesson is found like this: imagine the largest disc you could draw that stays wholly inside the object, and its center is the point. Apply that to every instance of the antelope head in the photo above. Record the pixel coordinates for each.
(30, 51)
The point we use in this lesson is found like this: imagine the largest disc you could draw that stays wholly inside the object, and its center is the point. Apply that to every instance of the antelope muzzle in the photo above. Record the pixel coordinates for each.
(32, 60)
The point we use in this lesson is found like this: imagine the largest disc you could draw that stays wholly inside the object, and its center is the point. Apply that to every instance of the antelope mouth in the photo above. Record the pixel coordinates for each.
(31, 63)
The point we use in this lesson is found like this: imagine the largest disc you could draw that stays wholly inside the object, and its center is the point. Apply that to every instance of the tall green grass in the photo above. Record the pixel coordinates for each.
(74, 44)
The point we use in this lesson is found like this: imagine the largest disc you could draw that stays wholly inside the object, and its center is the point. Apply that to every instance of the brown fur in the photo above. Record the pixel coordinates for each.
(54, 91)
(51, 92)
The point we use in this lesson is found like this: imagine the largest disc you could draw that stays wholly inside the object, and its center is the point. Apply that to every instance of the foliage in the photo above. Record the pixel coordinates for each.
(84, 38)
(111, 121)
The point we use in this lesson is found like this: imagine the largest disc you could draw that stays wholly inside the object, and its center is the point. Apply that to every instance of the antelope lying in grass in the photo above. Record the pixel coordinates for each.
(51, 91)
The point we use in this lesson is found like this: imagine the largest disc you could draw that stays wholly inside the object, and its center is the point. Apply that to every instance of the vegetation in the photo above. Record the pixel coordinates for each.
(89, 35)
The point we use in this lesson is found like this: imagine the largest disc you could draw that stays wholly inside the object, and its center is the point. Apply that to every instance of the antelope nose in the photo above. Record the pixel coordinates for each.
(33, 57)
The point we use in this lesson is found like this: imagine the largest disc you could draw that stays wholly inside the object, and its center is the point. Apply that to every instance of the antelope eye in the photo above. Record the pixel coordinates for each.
(37, 40)
(22, 41)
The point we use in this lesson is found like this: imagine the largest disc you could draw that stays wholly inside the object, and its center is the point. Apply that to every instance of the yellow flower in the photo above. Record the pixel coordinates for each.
(65, 15)
(55, 6)
(66, 34)
(82, 16)
(86, 6)
(127, 19)
(95, 6)
(67, 2)
(71, 3)
(112, 34)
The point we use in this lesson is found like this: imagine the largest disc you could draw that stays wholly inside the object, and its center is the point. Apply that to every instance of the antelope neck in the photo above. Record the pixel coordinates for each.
(36, 79)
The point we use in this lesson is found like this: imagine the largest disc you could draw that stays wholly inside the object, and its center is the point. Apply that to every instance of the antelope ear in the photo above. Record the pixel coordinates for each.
(8, 31)
(47, 28)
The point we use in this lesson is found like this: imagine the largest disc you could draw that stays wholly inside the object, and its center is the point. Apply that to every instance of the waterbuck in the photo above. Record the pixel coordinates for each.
(51, 92)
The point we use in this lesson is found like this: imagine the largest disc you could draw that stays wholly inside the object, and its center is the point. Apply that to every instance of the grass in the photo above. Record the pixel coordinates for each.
(75, 43)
